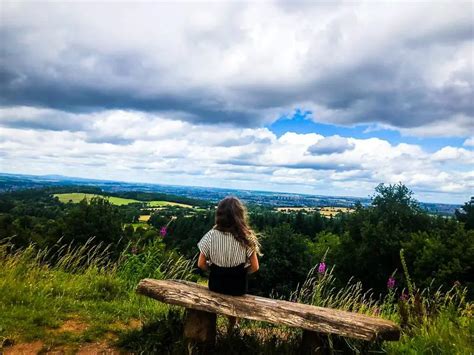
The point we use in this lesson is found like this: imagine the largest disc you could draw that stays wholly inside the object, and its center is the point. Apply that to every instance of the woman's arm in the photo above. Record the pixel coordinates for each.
(254, 266)
(202, 262)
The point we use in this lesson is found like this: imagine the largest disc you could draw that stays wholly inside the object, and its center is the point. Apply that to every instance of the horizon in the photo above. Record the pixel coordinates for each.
(52, 176)
(299, 98)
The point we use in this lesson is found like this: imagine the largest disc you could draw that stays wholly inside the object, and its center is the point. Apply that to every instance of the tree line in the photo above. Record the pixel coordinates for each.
(364, 244)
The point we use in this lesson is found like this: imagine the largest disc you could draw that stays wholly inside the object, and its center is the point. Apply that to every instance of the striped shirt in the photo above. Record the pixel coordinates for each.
(222, 249)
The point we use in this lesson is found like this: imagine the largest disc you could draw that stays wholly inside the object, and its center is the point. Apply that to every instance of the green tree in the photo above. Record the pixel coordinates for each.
(370, 248)
(97, 219)
(466, 214)
(285, 263)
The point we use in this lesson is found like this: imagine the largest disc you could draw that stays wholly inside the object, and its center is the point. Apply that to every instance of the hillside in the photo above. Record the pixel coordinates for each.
(73, 307)
(69, 271)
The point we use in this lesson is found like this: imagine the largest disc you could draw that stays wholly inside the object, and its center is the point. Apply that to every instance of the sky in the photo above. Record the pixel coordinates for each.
(328, 98)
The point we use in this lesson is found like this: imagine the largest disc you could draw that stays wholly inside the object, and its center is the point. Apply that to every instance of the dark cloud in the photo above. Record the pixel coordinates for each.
(331, 145)
(322, 166)
(240, 141)
(111, 140)
(388, 84)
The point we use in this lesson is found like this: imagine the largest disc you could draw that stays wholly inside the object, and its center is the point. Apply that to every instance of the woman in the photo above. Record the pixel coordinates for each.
(229, 250)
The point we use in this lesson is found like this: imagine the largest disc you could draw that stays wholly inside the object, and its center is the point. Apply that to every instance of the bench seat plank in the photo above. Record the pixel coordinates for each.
(317, 319)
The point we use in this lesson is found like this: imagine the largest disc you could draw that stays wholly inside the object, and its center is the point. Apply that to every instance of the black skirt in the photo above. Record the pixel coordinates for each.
(228, 280)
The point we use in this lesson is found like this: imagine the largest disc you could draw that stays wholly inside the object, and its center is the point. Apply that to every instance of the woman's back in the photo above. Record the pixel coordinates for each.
(229, 250)
(223, 249)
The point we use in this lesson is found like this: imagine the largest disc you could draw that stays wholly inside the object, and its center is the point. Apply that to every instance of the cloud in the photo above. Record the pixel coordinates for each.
(331, 145)
(244, 64)
(147, 147)
(469, 142)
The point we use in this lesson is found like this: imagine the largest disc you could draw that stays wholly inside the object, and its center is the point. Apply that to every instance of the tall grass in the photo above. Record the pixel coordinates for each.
(433, 321)
(40, 289)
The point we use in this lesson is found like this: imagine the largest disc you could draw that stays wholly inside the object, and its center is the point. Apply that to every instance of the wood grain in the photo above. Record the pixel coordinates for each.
(316, 319)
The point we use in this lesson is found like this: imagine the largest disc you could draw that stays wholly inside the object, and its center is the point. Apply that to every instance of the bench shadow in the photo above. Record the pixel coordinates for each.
(165, 336)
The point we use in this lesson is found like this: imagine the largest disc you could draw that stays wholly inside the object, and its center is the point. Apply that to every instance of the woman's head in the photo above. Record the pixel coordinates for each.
(231, 216)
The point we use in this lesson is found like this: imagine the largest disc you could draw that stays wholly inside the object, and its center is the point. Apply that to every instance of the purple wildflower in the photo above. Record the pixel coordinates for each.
(404, 296)
(163, 231)
(322, 268)
(391, 283)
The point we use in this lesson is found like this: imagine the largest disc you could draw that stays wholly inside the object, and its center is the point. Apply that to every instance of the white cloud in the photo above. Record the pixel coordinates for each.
(469, 142)
(134, 146)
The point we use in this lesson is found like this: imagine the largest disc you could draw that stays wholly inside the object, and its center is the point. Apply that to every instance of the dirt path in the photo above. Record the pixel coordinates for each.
(73, 325)
(39, 347)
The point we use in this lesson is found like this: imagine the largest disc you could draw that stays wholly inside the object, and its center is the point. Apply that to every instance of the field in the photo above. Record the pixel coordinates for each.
(167, 203)
(296, 209)
(332, 211)
(324, 211)
(144, 218)
(76, 197)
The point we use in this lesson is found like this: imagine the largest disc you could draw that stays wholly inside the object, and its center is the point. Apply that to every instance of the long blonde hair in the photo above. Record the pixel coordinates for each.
(231, 216)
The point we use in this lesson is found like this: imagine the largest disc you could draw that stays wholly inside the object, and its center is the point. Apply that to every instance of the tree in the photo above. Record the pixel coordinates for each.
(466, 214)
(370, 248)
(285, 263)
(97, 219)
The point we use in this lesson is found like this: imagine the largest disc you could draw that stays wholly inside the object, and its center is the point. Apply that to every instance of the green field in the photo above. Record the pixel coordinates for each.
(167, 203)
(76, 197)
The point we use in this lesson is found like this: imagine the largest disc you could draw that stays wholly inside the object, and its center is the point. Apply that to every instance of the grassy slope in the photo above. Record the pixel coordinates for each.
(76, 197)
(38, 301)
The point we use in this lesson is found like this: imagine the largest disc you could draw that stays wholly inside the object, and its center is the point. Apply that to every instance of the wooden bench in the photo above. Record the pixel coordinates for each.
(202, 306)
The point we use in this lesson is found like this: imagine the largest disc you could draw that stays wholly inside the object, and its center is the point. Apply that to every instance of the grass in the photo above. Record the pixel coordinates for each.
(142, 225)
(38, 299)
(83, 298)
(77, 197)
(167, 203)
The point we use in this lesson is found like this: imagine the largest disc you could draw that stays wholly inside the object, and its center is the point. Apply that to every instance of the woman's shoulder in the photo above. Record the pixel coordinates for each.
(211, 233)
(216, 233)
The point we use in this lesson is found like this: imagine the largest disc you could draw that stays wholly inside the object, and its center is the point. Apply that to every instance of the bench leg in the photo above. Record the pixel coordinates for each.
(199, 331)
(312, 343)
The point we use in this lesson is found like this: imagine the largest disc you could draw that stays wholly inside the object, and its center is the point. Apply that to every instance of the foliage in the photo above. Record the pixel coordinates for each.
(152, 261)
(285, 262)
(466, 215)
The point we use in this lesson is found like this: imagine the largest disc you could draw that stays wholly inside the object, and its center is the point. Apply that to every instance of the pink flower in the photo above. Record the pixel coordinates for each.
(391, 282)
(322, 268)
(163, 231)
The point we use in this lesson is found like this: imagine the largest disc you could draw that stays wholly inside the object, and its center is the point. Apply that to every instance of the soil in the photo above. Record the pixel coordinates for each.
(25, 348)
(72, 325)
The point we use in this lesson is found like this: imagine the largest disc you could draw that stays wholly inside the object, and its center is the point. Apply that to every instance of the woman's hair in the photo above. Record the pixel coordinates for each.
(231, 216)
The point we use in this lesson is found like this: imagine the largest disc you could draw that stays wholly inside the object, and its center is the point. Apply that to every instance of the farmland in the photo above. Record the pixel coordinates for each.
(327, 211)
(167, 203)
(76, 197)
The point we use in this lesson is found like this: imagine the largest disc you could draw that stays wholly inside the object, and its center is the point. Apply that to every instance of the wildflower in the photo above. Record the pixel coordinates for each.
(163, 231)
(134, 250)
(322, 268)
(391, 283)
(404, 296)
